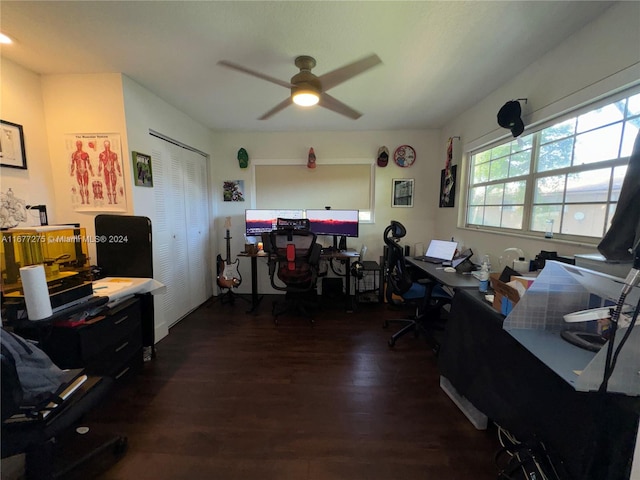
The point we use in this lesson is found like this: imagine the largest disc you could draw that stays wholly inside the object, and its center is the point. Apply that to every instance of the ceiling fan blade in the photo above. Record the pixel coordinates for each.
(339, 75)
(281, 106)
(327, 101)
(242, 69)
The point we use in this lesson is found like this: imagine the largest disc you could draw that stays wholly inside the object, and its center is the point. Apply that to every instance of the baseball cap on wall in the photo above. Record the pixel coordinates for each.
(509, 117)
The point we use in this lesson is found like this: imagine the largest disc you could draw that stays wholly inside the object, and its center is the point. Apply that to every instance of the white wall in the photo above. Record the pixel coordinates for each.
(81, 104)
(602, 57)
(21, 102)
(328, 146)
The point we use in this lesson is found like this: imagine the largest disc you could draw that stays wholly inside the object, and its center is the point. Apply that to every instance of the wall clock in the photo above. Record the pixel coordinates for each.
(404, 156)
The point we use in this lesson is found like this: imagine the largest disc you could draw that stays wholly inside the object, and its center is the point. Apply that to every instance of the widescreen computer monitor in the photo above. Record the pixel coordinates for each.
(343, 223)
(259, 221)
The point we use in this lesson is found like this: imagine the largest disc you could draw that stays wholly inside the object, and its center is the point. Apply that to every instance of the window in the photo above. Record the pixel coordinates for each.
(566, 175)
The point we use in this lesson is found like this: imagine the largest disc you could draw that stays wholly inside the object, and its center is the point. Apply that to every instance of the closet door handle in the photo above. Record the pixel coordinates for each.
(120, 320)
(122, 346)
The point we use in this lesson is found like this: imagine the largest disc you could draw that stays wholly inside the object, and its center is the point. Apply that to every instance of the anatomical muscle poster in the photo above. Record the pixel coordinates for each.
(95, 166)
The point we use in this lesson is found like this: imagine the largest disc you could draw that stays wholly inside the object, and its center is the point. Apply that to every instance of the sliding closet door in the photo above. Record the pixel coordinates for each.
(180, 230)
(197, 226)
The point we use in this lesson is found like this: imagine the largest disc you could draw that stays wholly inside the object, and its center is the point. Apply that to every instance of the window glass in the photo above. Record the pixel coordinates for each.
(512, 216)
(514, 192)
(477, 195)
(555, 155)
(492, 216)
(558, 131)
(583, 219)
(598, 145)
(520, 164)
(618, 178)
(494, 194)
(499, 169)
(588, 186)
(481, 173)
(549, 189)
(631, 128)
(601, 116)
(541, 213)
(633, 105)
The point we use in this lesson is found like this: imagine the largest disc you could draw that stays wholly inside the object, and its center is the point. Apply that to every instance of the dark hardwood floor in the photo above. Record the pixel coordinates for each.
(232, 396)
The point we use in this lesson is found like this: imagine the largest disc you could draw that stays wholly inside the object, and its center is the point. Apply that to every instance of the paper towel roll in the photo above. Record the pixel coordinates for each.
(36, 292)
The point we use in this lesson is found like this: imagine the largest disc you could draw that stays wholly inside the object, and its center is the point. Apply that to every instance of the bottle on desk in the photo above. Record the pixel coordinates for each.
(484, 278)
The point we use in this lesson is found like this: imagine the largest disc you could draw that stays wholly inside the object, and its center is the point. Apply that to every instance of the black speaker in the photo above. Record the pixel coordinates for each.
(342, 245)
(407, 250)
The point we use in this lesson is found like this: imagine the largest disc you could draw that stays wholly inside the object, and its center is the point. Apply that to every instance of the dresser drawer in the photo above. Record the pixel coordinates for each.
(119, 356)
(107, 333)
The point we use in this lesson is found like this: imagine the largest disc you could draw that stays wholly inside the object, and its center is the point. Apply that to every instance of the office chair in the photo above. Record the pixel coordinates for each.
(294, 256)
(36, 432)
(426, 296)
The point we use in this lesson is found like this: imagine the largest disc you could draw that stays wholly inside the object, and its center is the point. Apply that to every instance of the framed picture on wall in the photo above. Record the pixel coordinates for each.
(402, 192)
(142, 173)
(448, 187)
(12, 153)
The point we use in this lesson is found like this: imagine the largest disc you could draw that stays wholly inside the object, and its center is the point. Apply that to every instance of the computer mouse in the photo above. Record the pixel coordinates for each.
(450, 269)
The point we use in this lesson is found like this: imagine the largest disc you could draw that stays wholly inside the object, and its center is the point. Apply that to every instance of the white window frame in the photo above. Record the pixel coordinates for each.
(531, 177)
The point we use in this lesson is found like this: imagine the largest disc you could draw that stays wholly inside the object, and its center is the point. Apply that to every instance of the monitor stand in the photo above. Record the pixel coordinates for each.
(334, 247)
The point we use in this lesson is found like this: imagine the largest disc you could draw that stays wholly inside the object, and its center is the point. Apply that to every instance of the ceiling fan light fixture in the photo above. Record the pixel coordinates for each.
(305, 98)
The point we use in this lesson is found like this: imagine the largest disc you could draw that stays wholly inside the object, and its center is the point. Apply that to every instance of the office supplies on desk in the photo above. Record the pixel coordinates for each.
(439, 251)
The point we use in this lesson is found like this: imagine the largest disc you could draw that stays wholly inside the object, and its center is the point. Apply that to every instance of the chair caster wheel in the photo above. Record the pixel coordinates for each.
(391, 342)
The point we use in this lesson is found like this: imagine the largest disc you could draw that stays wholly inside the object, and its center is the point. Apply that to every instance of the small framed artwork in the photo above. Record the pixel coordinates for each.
(448, 187)
(402, 192)
(233, 191)
(142, 172)
(12, 153)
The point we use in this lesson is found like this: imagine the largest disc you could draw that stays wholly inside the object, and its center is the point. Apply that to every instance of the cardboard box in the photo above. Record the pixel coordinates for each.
(526, 280)
(505, 297)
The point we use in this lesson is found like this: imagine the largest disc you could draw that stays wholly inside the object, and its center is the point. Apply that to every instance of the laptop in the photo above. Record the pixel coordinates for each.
(439, 251)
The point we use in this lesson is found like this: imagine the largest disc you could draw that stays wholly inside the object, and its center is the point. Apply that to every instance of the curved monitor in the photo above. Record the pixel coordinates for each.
(259, 221)
(334, 222)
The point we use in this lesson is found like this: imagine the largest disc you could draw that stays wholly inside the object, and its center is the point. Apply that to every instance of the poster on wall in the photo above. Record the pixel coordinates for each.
(233, 191)
(96, 181)
(448, 187)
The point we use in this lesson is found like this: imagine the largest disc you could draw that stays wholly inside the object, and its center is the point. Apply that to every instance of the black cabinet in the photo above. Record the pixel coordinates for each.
(110, 346)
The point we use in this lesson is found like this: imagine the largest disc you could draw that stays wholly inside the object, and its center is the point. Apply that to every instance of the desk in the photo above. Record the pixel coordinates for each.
(347, 255)
(514, 388)
(448, 279)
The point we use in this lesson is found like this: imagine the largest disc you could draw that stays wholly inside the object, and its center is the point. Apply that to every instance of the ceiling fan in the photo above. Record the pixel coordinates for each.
(308, 89)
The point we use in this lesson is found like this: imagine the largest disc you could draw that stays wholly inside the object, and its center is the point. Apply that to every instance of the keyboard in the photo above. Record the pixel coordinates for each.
(434, 260)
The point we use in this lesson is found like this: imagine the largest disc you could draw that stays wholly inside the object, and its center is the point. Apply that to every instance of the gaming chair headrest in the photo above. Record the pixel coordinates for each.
(397, 229)
(394, 232)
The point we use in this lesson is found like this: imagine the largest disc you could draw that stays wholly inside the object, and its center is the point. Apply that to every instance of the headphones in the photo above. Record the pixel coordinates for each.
(357, 270)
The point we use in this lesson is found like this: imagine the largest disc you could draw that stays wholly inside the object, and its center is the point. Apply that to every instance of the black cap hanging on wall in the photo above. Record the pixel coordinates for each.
(509, 116)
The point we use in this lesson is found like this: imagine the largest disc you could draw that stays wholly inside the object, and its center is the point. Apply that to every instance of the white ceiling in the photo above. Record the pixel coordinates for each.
(439, 58)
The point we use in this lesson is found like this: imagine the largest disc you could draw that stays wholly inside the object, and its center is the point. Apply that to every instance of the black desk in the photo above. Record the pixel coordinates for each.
(346, 256)
(448, 279)
(510, 385)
